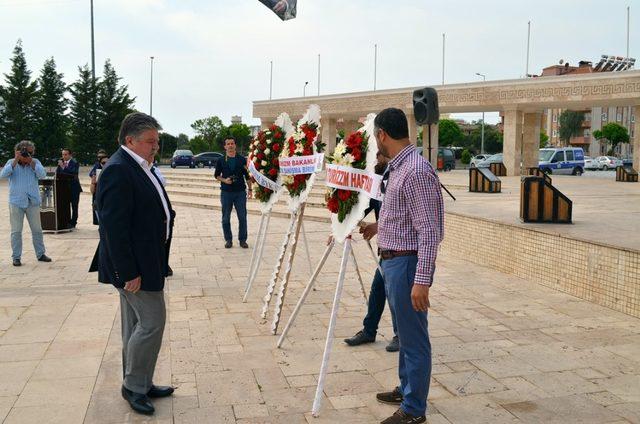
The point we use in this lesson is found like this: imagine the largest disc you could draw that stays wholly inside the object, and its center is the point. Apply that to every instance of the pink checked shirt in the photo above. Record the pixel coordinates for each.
(412, 213)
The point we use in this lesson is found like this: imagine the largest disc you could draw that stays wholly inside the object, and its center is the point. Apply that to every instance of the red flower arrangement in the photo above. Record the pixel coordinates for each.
(301, 143)
(265, 149)
(351, 152)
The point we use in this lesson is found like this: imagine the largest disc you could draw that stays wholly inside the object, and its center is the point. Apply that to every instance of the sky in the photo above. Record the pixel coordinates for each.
(212, 57)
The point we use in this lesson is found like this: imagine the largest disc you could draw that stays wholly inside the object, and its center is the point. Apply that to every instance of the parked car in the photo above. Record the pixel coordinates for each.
(183, 158)
(477, 159)
(449, 159)
(497, 158)
(627, 162)
(608, 162)
(591, 164)
(207, 159)
(562, 160)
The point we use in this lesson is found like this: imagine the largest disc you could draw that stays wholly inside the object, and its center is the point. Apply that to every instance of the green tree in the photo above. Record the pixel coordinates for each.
(208, 130)
(19, 96)
(449, 133)
(466, 157)
(570, 123)
(183, 140)
(85, 116)
(614, 133)
(544, 139)
(199, 144)
(492, 140)
(242, 134)
(114, 103)
(168, 144)
(51, 121)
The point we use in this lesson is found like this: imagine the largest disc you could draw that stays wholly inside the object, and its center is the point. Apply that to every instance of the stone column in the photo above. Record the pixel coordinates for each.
(350, 126)
(434, 144)
(531, 139)
(329, 133)
(266, 123)
(512, 141)
(636, 139)
(413, 128)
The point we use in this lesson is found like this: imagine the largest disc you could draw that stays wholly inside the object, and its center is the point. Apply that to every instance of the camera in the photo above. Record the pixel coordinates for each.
(233, 178)
(24, 152)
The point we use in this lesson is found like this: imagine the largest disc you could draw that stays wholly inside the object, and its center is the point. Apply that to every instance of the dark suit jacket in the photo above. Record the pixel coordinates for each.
(132, 225)
(72, 169)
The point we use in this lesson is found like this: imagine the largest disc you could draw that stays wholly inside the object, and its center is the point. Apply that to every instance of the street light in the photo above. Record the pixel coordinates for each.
(484, 78)
(151, 90)
(304, 89)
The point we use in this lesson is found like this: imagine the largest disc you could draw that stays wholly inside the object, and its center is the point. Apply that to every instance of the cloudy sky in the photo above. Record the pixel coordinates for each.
(212, 56)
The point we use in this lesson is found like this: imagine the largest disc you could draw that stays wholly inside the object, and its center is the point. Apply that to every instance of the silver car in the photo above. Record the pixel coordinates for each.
(497, 158)
(591, 164)
(608, 162)
(477, 159)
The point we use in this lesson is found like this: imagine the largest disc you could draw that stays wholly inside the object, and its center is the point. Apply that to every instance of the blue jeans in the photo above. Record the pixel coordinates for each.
(229, 200)
(377, 299)
(16, 217)
(414, 367)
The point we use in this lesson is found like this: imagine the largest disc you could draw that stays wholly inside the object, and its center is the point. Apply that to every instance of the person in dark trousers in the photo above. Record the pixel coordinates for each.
(377, 296)
(69, 166)
(231, 171)
(410, 229)
(136, 218)
(93, 174)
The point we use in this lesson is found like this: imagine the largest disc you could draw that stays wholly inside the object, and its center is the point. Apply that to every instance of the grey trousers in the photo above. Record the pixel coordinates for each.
(143, 317)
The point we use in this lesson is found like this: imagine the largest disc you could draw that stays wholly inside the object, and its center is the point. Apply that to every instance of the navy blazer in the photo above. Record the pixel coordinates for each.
(72, 169)
(133, 229)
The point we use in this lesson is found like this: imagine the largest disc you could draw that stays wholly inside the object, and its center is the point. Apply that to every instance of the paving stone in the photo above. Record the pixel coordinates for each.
(562, 409)
(473, 409)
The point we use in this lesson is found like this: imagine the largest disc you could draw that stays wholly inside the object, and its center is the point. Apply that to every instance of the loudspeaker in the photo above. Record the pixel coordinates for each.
(425, 106)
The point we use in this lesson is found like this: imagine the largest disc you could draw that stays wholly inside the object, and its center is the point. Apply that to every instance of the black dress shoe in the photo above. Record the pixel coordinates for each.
(160, 391)
(169, 271)
(244, 245)
(16, 262)
(394, 345)
(360, 338)
(228, 245)
(401, 417)
(138, 402)
(44, 258)
(390, 398)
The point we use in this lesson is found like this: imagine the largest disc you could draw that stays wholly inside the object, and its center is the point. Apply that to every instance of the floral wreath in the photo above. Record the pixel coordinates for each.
(265, 149)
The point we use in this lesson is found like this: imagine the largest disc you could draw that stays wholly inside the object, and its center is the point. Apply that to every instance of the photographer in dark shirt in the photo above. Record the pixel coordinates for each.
(231, 171)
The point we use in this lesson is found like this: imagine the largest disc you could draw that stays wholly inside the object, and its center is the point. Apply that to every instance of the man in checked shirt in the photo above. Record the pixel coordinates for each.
(410, 228)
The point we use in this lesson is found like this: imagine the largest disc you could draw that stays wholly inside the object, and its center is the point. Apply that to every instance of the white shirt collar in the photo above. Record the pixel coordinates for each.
(141, 161)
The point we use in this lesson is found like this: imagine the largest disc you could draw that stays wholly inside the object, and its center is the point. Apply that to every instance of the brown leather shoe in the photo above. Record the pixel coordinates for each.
(390, 398)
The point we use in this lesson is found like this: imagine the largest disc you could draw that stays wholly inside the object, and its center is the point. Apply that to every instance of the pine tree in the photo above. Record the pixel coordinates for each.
(85, 117)
(17, 121)
(114, 104)
(50, 133)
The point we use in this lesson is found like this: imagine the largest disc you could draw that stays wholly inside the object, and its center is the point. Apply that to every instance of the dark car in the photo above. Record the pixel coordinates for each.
(183, 158)
(447, 155)
(207, 159)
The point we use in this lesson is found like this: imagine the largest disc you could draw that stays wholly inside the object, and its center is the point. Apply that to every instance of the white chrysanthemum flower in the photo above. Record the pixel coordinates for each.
(262, 171)
(299, 148)
(267, 132)
(339, 151)
(287, 179)
(349, 159)
(267, 151)
(264, 162)
(269, 141)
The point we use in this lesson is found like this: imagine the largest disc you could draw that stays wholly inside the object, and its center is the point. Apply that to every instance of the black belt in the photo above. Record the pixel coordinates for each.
(390, 254)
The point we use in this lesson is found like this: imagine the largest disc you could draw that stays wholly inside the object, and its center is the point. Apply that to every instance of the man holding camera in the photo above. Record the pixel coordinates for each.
(23, 172)
(69, 166)
(231, 171)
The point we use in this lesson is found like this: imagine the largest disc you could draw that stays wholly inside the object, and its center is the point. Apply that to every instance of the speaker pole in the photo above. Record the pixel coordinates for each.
(429, 129)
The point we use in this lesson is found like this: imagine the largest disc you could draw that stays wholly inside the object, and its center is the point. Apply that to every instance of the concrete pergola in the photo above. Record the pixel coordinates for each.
(521, 100)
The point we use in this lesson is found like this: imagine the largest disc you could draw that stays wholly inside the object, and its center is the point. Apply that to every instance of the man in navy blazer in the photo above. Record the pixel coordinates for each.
(69, 166)
(136, 222)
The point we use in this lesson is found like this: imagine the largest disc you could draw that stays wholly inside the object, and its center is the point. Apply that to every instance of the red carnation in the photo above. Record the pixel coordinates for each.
(275, 162)
(273, 127)
(273, 172)
(357, 154)
(278, 134)
(344, 195)
(261, 156)
(276, 147)
(333, 205)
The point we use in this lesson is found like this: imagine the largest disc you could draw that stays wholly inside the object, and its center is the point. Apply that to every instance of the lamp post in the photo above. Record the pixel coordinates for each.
(93, 48)
(484, 78)
(151, 90)
(304, 89)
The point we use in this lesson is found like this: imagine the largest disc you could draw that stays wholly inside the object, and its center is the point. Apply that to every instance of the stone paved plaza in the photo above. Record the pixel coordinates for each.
(505, 349)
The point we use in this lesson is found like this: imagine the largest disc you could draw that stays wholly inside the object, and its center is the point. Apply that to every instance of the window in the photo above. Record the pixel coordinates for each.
(569, 155)
(633, 118)
(555, 133)
(558, 157)
(587, 117)
(555, 118)
(587, 133)
(605, 117)
(619, 117)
